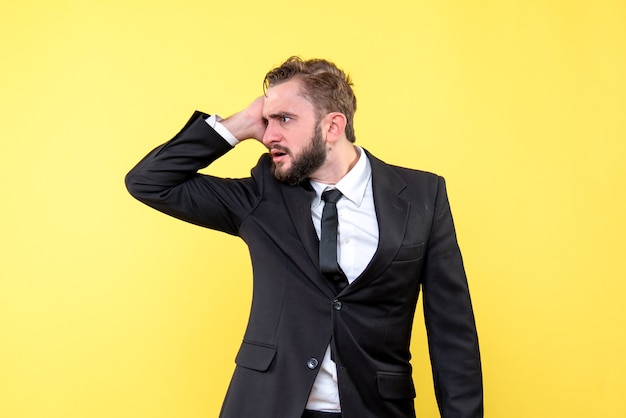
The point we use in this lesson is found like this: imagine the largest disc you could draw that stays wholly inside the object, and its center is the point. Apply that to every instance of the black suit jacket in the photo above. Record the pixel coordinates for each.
(295, 313)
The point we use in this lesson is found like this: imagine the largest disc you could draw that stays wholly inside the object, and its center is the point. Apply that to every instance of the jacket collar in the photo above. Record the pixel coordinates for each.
(391, 210)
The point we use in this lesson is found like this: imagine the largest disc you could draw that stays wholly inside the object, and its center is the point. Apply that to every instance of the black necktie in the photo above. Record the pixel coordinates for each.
(328, 241)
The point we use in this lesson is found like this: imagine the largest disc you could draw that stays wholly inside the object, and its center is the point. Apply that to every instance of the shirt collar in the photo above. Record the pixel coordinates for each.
(353, 185)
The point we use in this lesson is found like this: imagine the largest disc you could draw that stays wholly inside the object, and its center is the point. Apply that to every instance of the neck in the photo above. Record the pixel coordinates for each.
(341, 158)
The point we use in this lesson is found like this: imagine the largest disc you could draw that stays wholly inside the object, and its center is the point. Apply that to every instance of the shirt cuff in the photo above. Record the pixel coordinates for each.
(214, 122)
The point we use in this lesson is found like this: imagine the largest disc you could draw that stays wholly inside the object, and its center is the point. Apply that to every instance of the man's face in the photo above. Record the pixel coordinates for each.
(293, 134)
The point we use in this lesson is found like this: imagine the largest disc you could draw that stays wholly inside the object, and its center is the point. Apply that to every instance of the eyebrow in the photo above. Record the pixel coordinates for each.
(280, 115)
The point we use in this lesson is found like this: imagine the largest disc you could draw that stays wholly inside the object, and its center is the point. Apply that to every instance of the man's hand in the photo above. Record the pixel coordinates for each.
(247, 123)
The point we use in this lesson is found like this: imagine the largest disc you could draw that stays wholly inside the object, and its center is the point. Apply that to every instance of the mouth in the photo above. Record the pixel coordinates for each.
(278, 153)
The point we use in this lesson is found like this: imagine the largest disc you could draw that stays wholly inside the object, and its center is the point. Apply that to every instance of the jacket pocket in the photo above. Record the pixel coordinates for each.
(255, 356)
(410, 252)
(393, 385)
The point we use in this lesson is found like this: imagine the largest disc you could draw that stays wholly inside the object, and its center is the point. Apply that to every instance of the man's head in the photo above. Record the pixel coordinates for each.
(308, 110)
(327, 87)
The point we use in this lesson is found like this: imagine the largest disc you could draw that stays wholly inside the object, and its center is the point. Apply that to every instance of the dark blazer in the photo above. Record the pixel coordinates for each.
(295, 313)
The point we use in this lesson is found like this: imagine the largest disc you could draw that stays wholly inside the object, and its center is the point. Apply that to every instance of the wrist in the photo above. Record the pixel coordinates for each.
(238, 126)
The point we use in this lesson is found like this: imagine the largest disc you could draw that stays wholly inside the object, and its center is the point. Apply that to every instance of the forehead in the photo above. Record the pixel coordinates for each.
(286, 97)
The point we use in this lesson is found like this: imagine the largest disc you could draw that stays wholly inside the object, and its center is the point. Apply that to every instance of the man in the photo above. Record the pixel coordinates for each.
(331, 318)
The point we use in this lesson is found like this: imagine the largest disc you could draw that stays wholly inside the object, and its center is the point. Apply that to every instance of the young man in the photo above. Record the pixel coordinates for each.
(336, 279)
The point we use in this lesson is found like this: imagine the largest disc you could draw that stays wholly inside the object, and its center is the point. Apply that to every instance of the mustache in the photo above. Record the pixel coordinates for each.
(279, 148)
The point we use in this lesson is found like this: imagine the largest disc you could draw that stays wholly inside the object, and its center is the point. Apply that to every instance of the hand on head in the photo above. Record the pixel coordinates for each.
(248, 123)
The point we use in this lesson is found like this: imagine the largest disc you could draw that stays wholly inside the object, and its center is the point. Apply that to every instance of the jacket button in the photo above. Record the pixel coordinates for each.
(337, 305)
(312, 363)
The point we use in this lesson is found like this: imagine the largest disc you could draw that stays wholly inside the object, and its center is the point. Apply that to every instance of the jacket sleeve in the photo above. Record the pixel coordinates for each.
(167, 179)
(450, 325)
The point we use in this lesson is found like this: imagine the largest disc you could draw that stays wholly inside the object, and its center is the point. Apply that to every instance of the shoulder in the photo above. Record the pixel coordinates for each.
(411, 176)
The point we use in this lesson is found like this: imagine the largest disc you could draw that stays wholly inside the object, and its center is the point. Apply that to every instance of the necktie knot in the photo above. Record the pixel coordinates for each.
(331, 196)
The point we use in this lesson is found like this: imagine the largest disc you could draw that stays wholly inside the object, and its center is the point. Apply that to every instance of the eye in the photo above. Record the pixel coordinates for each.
(266, 122)
(285, 119)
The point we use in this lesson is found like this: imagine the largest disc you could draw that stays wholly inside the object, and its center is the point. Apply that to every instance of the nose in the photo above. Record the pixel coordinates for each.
(271, 134)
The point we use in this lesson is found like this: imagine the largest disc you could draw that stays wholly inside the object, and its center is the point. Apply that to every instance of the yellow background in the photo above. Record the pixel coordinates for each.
(109, 309)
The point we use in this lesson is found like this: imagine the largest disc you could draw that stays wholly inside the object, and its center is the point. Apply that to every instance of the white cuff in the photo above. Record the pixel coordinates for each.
(214, 122)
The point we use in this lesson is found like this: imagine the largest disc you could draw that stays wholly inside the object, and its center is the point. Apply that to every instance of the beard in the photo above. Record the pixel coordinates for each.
(310, 159)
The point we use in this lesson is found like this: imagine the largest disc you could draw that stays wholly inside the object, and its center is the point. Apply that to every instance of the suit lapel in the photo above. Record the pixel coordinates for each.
(298, 201)
(392, 213)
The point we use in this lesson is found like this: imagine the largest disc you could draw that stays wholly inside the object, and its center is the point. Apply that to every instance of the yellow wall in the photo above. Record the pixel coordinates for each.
(109, 309)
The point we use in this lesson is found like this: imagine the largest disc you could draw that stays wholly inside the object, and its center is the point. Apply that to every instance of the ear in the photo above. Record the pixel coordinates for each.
(334, 126)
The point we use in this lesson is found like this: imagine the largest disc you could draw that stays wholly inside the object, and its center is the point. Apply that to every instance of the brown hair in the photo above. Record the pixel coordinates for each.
(324, 84)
